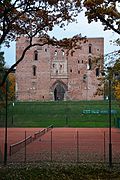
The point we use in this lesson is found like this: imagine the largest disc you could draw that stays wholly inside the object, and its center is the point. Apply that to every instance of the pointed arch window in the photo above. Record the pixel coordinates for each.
(97, 72)
(63, 53)
(84, 78)
(90, 48)
(56, 53)
(71, 70)
(89, 64)
(35, 55)
(34, 70)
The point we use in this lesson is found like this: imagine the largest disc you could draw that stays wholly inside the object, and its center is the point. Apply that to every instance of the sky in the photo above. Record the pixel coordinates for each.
(95, 29)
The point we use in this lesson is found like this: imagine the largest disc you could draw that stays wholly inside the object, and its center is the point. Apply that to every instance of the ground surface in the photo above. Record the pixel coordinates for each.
(52, 171)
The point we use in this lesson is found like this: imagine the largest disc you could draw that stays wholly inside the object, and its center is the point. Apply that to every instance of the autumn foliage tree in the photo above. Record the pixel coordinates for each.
(105, 11)
(113, 73)
(10, 82)
(10, 89)
(115, 76)
(117, 69)
(11, 86)
(31, 18)
(2, 89)
(117, 91)
(110, 71)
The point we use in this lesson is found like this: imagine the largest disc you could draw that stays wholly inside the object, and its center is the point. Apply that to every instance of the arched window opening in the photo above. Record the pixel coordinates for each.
(34, 70)
(97, 72)
(35, 55)
(63, 53)
(56, 53)
(89, 64)
(90, 48)
(84, 77)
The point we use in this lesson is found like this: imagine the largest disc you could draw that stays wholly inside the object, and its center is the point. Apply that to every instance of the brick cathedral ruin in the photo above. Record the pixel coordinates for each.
(47, 73)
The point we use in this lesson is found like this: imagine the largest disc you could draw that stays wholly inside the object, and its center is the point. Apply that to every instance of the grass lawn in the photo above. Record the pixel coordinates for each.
(60, 114)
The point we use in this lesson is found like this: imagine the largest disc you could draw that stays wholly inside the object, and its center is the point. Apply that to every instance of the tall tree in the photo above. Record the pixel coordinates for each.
(111, 71)
(10, 80)
(34, 17)
(114, 75)
(2, 89)
(117, 91)
(11, 90)
(2, 62)
(31, 18)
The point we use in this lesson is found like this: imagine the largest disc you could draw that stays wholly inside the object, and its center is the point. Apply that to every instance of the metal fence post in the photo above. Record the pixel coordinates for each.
(51, 147)
(25, 147)
(104, 147)
(6, 118)
(110, 127)
(77, 147)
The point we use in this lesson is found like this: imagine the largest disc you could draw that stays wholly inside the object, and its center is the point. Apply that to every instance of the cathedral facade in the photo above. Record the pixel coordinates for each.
(48, 73)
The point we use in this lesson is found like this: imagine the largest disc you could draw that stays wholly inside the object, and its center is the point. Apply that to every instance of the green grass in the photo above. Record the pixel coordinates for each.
(60, 114)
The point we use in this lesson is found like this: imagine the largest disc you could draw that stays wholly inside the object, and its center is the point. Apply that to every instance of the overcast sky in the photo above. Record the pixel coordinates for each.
(95, 29)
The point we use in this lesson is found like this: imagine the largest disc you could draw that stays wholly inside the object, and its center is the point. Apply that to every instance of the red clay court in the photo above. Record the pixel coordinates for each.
(63, 145)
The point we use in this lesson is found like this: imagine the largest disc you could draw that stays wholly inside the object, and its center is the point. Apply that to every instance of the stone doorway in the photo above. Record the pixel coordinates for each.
(59, 92)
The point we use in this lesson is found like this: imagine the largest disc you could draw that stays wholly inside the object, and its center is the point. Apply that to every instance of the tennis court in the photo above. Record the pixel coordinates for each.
(63, 145)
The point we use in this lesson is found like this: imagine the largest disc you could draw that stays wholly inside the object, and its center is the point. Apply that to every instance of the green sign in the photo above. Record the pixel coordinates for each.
(88, 111)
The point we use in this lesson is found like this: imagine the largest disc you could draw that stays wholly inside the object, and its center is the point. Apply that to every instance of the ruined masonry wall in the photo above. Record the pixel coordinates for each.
(53, 73)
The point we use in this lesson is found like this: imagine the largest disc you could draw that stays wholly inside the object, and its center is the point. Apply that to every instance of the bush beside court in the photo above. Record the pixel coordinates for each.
(61, 172)
(60, 114)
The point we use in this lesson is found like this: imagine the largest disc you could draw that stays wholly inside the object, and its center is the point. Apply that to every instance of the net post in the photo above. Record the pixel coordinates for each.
(10, 151)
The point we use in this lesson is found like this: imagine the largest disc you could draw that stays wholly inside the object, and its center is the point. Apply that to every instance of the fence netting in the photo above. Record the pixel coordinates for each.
(65, 145)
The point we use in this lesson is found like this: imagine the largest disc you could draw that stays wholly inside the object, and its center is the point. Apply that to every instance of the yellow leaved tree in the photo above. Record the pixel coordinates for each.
(11, 90)
(117, 91)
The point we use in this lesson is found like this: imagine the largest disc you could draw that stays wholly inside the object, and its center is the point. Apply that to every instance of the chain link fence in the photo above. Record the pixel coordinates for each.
(67, 145)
